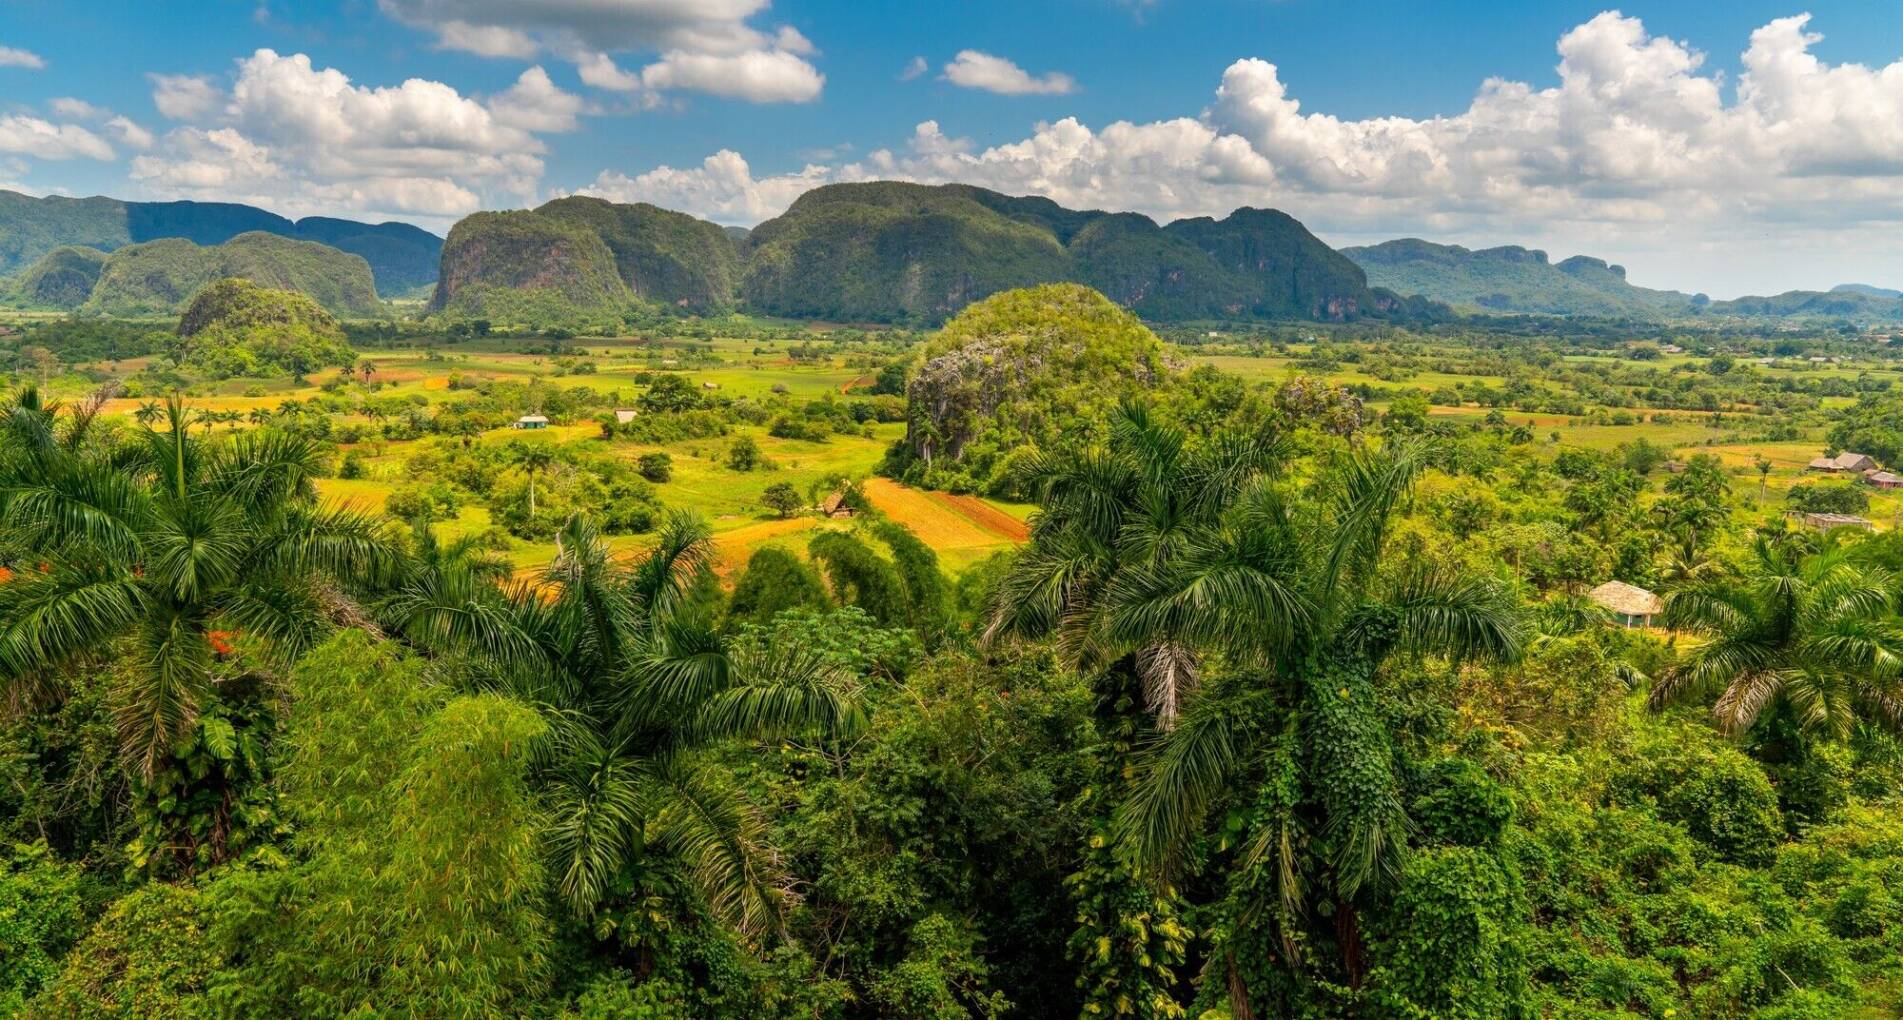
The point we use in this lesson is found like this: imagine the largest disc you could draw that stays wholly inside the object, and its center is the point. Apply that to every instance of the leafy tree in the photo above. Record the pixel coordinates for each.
(1170, 555)
(1827, 498)
(1812, 636)
(774, 581)
(743, 454)
(161, 543)
(633, 682)
(782, 498)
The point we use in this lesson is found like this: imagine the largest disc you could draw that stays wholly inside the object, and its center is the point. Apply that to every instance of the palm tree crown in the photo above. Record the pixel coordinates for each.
(162, 541)
(1815, 633)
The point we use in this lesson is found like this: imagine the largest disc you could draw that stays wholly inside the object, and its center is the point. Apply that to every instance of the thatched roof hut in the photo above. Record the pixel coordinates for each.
(1632, 605)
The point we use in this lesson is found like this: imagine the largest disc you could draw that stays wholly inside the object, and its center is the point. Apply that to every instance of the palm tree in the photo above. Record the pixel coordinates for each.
(1176, 556)
(148, 412)
(160, 543)
(634, 683)
(1812, 634)
(1114, 524)
(535, 458)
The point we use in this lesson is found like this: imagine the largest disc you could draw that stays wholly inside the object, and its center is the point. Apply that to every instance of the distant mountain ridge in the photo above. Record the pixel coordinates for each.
(890, 251)
(1511, 279)
(160, 277)
(1514, 279)
(401, 257)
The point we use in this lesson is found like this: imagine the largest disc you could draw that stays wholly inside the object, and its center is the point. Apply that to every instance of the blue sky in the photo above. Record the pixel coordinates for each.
(1718, 147)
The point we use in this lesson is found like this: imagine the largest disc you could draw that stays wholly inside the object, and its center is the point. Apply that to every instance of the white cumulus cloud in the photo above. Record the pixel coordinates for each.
(302, 139)
(31, 136)
(13, 57)
(973, 69)
(184, 97)
(713, 47)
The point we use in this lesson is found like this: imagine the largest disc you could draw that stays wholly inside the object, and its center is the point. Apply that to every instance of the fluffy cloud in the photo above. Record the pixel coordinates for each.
(706, 46)
(306, 139)
(1637, 151)
(915, 69)
(534, 103)
(11, 57)
(761, 76)
(31, 136)
(184, 97)
(975, 70)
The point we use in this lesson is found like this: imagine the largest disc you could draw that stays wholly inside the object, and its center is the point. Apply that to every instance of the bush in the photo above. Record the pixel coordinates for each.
(656, 467)
(1721, 797)
(744, 454)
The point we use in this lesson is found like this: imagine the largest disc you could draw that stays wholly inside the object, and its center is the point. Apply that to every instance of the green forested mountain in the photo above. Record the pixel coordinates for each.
(1813, 304)
(63, 278)
(584, 254)
(1864, 288)
(401, 256)
(889, 250)
(158, 277)
(660, 255)
(1513, 279)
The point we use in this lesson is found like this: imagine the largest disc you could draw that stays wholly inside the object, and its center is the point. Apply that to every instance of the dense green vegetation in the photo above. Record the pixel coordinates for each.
(161, 276)
(401, 256)
(236, 327)
(577, 257)
(336, 695)
(889, 251)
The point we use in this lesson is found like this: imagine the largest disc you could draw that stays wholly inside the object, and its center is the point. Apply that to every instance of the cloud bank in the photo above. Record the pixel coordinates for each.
(1637, 145)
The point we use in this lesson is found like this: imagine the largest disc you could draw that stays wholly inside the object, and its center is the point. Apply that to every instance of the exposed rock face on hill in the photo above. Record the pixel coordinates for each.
(660, 255)
(496, 262)
(890, 251)
(401, 256)
(1016, 373)
(587, 254)
(64, 277)
(160, 276)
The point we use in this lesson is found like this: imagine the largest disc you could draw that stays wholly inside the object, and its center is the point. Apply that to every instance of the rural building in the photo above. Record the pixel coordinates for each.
(1884, 480)
(1673, 466)
(531, 421)
(1825, 522)
(835, 505)
(1846, 461)
(624, 415)
(1632, 606)
(710, 386)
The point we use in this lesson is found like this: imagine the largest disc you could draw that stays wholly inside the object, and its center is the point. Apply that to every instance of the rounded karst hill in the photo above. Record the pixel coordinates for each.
(233, 327)
(1035, 369)
(63, 277)
(236, 303)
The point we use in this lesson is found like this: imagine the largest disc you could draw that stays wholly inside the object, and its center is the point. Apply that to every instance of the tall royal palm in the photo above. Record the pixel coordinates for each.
(160, 541)
(1150, 545)
(1815, 634)
(634, 683)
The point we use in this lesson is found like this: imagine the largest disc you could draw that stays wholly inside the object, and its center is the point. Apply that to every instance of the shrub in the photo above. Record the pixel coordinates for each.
(656, 467)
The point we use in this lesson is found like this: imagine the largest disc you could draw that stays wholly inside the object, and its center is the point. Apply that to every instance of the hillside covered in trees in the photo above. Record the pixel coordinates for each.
(160, 277)
(401, 257)
(896, 252)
